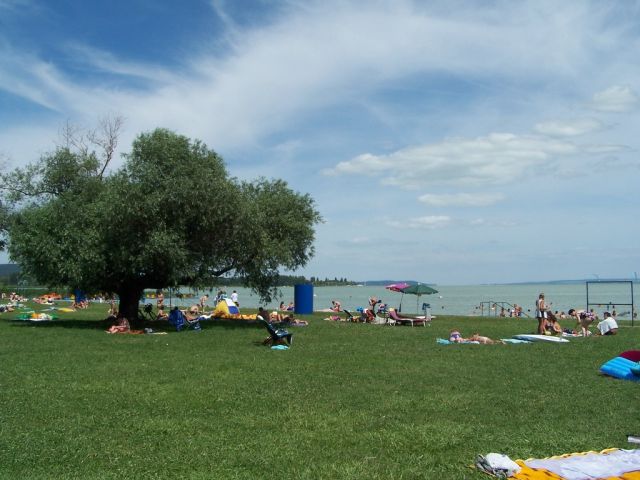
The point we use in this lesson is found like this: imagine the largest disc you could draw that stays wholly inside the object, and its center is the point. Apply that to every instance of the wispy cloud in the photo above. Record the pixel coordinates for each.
(466, 106)
(306, 60)
(495, 159)
(483, 222)
(46, 85)
(618, 98)
(426, 222)
(569, 128)
(102, 61)
(461, 199)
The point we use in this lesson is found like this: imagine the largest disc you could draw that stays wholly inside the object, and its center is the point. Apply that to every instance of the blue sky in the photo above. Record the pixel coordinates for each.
(449, 142)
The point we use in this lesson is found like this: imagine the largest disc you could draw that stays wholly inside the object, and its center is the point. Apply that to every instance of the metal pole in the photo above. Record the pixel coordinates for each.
(633, 309)
(587, 284)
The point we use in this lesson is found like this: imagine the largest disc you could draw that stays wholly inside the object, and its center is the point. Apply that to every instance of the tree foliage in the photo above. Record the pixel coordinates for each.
(171, 215)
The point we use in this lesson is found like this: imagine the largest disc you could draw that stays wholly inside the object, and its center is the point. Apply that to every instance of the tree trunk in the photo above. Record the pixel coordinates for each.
(130, 302)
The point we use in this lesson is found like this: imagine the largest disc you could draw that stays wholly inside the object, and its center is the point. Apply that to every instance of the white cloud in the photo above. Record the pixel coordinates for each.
(494, 159)
(102, 61)
(573, 128)
(618, 98)
(427, 222)
(312, 56)
(333, 79)
(360, 240)
(604, 149)
(21, 145)
(461, 199)
(483, 222)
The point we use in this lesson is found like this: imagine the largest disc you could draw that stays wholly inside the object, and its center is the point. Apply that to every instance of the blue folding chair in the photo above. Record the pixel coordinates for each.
(181, 322)
(275, 337)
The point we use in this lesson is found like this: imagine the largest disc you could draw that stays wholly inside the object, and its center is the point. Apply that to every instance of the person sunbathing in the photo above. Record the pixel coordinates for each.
(476, 337)
(121, 325)
(192, 314)
(456, 337)
(290, 321)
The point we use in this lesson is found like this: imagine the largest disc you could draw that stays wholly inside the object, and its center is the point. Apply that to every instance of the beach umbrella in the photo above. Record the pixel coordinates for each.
(418, 290)
(398, 287)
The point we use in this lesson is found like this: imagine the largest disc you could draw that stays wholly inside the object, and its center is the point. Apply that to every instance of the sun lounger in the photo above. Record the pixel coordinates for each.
(393, 314)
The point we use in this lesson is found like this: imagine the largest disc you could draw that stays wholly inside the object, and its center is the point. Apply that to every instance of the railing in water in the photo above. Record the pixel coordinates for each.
(492, 308)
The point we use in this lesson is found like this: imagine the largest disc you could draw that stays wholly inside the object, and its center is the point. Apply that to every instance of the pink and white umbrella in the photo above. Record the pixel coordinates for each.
(398, 287)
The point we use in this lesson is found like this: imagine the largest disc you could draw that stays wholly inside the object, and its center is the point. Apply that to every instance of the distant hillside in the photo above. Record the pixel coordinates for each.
(574, 282)
(389, 282)
(7, 269)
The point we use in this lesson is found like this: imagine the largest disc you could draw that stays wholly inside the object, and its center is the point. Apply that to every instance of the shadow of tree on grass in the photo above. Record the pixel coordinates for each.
(156, 326)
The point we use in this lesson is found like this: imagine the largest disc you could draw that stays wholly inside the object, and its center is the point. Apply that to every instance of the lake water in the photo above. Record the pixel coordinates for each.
(460, 300)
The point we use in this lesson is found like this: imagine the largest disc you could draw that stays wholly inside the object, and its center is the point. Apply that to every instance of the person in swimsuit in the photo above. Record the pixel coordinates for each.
(541, 314)
(583, 320)
(455, 337)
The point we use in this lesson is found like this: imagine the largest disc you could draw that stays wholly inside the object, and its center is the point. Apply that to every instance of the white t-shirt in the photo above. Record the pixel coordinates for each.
(607, 325)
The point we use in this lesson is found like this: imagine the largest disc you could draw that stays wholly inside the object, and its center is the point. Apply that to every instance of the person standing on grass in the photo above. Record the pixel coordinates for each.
(541, 313)
(234, 298)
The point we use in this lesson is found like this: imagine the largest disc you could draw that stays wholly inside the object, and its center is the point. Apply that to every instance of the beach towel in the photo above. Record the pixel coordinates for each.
(610, 464)
(444, 341)
(540, 338)
(279, 347)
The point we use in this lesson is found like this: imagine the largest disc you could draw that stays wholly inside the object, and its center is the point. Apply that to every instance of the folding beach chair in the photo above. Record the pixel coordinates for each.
(350, 317)
(276, 337)
(181, 322)
(393, 314)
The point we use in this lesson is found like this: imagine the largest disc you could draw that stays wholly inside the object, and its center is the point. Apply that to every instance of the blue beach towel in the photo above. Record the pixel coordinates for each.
(444, 341)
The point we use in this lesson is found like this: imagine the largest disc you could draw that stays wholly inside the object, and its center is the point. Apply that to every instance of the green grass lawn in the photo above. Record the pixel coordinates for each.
(346, 401)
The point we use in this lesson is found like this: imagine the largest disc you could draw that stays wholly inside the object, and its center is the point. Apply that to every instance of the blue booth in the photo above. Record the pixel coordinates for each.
(303, 298)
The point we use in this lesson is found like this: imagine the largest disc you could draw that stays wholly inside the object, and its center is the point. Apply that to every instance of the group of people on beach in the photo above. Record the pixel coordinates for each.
(290, 307)
(548, 321)
(548, 324)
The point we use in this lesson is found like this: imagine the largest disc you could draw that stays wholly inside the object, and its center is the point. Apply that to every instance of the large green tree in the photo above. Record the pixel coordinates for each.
(171, 215)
